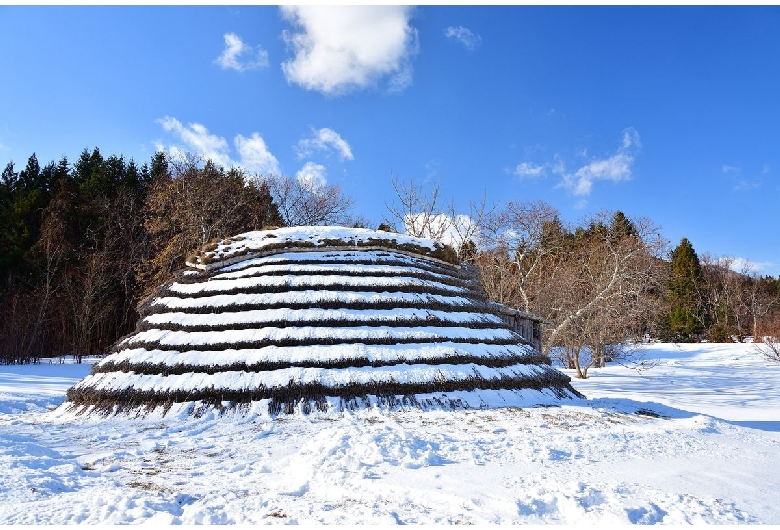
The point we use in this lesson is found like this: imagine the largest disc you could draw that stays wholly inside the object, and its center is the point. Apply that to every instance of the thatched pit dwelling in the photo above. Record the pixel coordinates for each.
(321, 319)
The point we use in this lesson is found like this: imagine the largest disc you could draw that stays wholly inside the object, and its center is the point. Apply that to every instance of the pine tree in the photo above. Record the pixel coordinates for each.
(686, 314)
(159, 167)
(621, 226)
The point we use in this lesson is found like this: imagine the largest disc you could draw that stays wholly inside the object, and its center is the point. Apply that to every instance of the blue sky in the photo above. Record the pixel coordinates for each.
(666, 112)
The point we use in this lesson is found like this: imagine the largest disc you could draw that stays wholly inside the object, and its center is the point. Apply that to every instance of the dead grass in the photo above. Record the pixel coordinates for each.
(314, 397)
(440, 252)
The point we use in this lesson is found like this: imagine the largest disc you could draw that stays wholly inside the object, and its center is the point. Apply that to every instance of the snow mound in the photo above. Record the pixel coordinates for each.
(305, 238)
(331, 319)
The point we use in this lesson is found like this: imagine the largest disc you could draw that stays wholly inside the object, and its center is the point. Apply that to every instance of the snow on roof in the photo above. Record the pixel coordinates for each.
(264, 242)
(293, 316)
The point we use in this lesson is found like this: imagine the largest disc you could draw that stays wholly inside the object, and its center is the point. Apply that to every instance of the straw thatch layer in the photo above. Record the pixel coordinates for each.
(288, 396)
(316, 324)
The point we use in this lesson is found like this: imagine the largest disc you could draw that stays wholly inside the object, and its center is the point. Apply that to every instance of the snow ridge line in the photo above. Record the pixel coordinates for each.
(166, 369)
(270, 284)
(375, 268)
(324, 317)
(408, 288)
(326, 300)
(476, 323)
(385, 258)
(311, 341)
(412, 250)
(293, 394)
(396, 353)
(375, 271)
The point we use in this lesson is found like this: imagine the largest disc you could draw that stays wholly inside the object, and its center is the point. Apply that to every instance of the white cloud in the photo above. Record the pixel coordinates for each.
(740, 182)
(743, 184)
(558, 166)
(255, 156)
(197, 140)
(432, 169)
(464, 35)
(527, 170)
(631, 139)
(744, 266)
(240, 56)
(615, 168)
(341, 49)
(312, 176)
(322, 140)
(253, 153)
(452, 229)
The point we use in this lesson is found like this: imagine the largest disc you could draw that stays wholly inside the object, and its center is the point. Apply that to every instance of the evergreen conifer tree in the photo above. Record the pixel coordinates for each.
(686, 315)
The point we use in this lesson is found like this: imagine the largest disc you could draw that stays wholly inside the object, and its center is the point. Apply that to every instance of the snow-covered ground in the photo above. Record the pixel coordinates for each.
(694, 440)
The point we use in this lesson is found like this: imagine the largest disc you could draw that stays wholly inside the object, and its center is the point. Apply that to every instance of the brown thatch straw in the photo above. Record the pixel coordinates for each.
(431, 275)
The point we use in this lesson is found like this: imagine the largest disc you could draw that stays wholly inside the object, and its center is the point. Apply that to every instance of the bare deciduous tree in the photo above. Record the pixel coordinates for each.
(192, 206)
(598, 284)
(610, 273)
(88, 289)
(420, 212)
(762, 300)
(769, 347)
(497, 278)
(530, 237)
(725, 295)
(609, 331)
(303, 203)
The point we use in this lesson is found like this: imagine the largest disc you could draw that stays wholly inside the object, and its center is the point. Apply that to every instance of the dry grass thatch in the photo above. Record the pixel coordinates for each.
(430, 280)
(288, 397)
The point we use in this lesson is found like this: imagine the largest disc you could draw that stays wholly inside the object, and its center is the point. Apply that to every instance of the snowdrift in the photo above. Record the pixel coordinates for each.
(320, 319)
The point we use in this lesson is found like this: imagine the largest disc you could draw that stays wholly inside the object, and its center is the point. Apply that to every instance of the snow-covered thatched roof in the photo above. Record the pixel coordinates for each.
(319, 318)
(306, 238)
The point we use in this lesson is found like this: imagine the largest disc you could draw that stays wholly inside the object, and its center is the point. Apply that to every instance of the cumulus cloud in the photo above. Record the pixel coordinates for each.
(744, 266)
(337, 50)
(195, 138)
(323, 140)
(464, 35)
(442, 227)
(240, 56)
(528, 170)
(558, 166)
(312, 176)
(255, 156)
(615, 168)
(743, 184)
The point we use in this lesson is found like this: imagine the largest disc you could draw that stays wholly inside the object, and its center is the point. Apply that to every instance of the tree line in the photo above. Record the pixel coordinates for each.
(83, 244)
(602, 284)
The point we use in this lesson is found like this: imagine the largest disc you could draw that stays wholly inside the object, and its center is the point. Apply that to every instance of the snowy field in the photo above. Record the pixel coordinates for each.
(694, 440)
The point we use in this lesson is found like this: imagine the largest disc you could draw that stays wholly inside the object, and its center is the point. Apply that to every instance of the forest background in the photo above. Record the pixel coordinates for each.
(83, 244)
